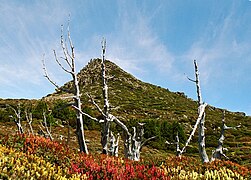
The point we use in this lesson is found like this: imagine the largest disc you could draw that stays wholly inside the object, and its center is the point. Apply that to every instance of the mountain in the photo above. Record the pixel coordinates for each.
(132, 100)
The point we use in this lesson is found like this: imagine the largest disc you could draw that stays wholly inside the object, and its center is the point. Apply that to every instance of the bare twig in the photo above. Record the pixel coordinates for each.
(85, 114)
(55, 55)
(97, 106)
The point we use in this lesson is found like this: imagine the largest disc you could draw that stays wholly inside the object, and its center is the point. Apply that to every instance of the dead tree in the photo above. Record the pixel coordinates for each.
(69, 58)
(107, 123)
(45, 126)
(218, 152)
(29, 120)
(201, 140)
(201, 111)
(132, 144)
(178, 150)
(138, 141)
(114, 144)
(17, 118)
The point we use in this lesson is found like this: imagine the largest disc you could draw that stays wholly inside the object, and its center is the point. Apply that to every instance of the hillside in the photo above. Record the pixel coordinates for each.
(133, 100)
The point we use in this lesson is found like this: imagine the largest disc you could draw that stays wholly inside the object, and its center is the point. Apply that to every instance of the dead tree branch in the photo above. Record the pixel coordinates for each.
(29, 120)
(201, 110)
(89, 116)
(17, 120)
(45, 126)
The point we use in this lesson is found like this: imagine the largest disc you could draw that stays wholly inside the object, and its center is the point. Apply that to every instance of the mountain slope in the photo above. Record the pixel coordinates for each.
(133, 99)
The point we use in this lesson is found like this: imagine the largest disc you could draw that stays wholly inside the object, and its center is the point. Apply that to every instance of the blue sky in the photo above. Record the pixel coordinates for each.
(155, 40)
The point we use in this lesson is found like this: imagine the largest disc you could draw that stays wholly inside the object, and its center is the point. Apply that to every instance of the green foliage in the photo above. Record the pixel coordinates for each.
(40, 107)
(5, 114)
(62, 110)
(88, 123)
(163, 130)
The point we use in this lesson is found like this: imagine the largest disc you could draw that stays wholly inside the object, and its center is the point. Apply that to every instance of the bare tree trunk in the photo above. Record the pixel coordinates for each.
(46, 127)
(114, 144)
(201, 109)
(136, 142)
(29, 121)
(80, 125)
(178, 150)
(201, 139)
(18, 116)
(69, 58)
(107, 123)
(133, 144)
(218, 152)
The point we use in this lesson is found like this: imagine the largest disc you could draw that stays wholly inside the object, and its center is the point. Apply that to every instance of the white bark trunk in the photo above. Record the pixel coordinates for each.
(80, 123)
(218, 152)
(69, 58)
(46, 127)
(201, 111)
(17, 120)
(105, 134)
(29, 121)
(114, 144)
(133, 144)
(178, 150)
(201, 140)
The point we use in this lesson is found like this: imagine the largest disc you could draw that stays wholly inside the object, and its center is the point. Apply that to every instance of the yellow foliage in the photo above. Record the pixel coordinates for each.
(14, 164)
(222, 173)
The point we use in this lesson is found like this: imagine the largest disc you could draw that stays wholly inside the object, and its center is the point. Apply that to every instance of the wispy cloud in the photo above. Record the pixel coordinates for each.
(26, 33)
(135, 46)
(220, 48)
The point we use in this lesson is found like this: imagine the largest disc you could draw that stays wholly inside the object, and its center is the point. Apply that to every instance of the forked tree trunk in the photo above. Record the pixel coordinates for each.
(201, 140)
(133, 143)
(201, 111)
(17, 120)
(46, 127)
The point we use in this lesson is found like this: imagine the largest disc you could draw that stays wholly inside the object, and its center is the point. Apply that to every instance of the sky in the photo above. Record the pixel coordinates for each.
(154, 40)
